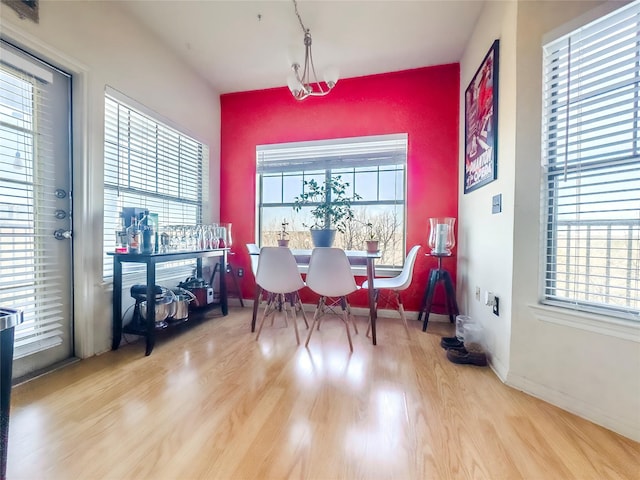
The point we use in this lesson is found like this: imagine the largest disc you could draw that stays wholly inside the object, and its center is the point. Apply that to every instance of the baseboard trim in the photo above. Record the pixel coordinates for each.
(44, 371)
(623, 426)
(358, 311)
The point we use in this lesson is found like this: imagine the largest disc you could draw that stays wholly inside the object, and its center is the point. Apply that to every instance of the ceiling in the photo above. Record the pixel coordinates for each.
(250, 45)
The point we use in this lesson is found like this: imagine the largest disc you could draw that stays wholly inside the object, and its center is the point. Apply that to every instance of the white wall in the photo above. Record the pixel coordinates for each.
(101, 46)
(485, 248)
(583, 363)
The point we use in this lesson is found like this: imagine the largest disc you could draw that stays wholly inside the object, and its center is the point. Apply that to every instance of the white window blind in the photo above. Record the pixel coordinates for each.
(334, 154)
(148, 164)
(591, 165)
(29, 279)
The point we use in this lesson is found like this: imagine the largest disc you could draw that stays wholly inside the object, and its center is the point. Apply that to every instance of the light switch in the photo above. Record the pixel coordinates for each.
(496, 203)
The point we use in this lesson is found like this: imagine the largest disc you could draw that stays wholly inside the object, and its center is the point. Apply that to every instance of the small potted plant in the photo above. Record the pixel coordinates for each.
(373, 245)
(331, 208)
(283, 241)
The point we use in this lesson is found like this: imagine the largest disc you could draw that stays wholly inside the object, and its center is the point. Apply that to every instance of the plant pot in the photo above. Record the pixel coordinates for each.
(373, 246)
(283, 243)
(322, 238)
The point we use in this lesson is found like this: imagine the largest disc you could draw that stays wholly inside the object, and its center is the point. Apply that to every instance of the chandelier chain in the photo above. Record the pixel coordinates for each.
(295, 5)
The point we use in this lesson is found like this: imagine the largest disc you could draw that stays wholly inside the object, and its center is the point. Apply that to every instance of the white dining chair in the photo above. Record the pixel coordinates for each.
(396, 285)
(278, 274)
(329, 275)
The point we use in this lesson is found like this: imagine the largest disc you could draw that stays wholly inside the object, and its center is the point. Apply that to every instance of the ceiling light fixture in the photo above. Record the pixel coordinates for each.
(306, 84)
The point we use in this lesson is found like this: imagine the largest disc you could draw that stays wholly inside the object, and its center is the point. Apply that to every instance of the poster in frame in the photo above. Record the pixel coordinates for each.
(481, 123)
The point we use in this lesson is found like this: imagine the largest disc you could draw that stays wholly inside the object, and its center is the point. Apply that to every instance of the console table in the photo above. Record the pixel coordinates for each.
(151, 260)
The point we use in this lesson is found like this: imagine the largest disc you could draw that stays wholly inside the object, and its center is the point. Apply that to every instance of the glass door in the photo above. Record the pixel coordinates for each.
(36, 208)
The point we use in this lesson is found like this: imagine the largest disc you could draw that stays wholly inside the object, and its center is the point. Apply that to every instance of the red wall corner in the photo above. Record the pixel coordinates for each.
(424, 103)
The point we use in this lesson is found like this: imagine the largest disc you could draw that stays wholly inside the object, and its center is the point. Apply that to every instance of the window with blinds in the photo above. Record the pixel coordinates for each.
(150, 165)
(374, 167)
(591, 162)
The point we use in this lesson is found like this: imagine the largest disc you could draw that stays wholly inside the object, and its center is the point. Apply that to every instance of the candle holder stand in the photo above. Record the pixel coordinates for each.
(436, 276)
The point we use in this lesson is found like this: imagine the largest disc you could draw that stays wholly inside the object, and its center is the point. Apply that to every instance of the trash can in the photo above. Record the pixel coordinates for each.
(461, 321)
(8, 321)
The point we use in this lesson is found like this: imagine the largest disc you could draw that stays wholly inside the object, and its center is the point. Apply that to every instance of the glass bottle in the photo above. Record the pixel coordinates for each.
(225, 239)
(121, 236)
(147, 236)
(229, 239)
(221, 233)
(165, 241)
(133, 236)
(199, 234)
(207, 236)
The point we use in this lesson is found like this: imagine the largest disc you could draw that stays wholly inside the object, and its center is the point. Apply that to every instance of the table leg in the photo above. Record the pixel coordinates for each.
(224, 304)
(256, 304)
(116, 305)
(151, 307)
(427, 291)
(6, 366)
(423, 302)
(372, 300)
(452, 304)
(434, 276)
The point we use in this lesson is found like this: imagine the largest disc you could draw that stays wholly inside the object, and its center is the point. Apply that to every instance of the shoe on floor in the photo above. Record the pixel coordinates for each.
(464, 357)
(451, 342)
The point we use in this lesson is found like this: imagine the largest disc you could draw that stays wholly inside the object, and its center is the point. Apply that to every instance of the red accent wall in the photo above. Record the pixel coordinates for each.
(423, 103)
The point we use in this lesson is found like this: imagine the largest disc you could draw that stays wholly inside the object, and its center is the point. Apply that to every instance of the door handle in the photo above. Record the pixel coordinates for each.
(61, 234)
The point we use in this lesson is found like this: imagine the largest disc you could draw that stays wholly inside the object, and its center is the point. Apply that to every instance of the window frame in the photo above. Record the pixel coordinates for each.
(333, 165)
(165, 159)
(560, 142)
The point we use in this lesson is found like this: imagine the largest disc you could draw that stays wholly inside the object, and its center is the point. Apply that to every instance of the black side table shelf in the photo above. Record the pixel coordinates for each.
(437, 275)
(151, 260)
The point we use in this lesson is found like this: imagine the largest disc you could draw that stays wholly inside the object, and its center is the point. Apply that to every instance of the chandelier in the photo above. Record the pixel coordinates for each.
(305, 84)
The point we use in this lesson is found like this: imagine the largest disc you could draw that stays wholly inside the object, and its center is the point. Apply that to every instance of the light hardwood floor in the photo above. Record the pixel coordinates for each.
(211, 402)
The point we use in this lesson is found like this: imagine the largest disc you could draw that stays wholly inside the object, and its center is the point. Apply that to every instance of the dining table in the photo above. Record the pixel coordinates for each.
(357, 258)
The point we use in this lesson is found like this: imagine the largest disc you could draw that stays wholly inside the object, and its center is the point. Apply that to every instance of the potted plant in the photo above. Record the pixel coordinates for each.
(331, 208)
(283, 241)
(373, 244)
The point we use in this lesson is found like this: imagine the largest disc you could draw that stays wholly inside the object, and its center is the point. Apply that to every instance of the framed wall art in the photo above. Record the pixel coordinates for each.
(481, 123)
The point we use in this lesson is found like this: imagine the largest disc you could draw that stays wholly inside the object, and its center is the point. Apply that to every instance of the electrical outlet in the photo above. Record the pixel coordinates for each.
(496, 306)
(478, 293)
(240, 272)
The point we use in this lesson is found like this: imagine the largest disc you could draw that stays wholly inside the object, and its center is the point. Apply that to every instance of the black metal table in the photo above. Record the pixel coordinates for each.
(151, 260)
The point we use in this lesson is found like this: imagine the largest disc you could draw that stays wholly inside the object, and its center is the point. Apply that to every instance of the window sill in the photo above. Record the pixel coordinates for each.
(600, 324)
